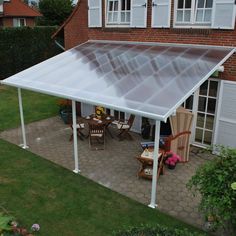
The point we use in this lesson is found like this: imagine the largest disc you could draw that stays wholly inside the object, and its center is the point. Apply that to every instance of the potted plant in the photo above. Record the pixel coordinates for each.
(65, 110)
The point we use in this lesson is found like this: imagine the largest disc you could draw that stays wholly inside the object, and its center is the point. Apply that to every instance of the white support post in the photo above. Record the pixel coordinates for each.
(24, 145)
(155, 165)
(76, 170)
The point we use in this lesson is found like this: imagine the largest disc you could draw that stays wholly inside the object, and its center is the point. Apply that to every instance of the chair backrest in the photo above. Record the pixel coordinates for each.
(131, 120)
(96, 129)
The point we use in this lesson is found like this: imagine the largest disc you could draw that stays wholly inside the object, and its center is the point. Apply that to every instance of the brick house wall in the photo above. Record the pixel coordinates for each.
(76, 31)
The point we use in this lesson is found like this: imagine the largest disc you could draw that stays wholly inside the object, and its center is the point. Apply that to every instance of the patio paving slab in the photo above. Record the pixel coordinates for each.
(116, 167)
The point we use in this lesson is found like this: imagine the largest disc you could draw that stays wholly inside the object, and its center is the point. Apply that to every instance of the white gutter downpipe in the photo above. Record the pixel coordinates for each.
(59, 45)
(24, 145)
(76, 170)
(155, 165)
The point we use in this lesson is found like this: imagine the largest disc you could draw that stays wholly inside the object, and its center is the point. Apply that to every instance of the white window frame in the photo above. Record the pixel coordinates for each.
(18, 22)
(192, 23)
(119, 24)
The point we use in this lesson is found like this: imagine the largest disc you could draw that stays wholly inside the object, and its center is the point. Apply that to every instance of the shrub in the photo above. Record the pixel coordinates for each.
(157, 230)
(22, 47)
(213, 180)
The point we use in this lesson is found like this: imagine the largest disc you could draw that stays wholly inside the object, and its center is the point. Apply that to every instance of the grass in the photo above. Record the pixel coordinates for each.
(35, 190)
(36, 107)
(63, 203)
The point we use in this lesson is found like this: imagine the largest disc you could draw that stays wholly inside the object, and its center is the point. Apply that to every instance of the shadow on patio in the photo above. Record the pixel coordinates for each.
(115, 167)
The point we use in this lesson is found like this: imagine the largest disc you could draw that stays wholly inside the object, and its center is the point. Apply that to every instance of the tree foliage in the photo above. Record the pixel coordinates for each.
(214, 182)
(55, 12)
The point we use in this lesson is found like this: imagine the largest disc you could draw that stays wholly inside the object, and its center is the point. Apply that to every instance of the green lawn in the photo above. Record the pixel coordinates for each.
(35, 190)
(36, 107)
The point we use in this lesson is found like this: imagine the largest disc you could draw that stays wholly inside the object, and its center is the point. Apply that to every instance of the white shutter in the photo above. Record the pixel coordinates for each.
(15, 22)
(95, 13)
(86, 109)
(138, 13)
(223, 16)
(161, 10)
(225, 132)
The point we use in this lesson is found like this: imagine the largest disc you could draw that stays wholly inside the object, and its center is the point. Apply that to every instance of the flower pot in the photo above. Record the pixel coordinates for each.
(66, 116)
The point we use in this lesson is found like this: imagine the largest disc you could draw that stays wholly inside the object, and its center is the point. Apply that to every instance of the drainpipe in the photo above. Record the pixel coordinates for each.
(59, 45)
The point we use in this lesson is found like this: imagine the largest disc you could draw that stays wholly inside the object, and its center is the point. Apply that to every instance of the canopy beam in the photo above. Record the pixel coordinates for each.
(155, 165)
(75, 139)
(24, 144)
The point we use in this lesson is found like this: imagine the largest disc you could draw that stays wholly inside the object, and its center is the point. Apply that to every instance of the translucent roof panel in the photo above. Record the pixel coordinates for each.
(150, 80)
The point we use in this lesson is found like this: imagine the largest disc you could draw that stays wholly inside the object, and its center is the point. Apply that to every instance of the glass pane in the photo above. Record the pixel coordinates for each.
(110, 17)
(115, 16)
(116, 115)
(123, 5)
(108, 111)
(181, 4)
(207, 137)
(211, 105)
(122, 116)
(209, 3)
(200, 120)
(198, 135)
(128, 5)
(189, 103)
(127, 17)
(199, 16)
(202, 104)
(116, 6)
(209, 122)
(188, 3)
(207, 17)
(122, 17)
(200, 3)
(179, 15)
(187, 15)
(110, 6)
(203, 88)
(213, 88)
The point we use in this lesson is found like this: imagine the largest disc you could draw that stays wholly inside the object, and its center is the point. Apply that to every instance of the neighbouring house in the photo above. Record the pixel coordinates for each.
(207, 22)
(15, 13)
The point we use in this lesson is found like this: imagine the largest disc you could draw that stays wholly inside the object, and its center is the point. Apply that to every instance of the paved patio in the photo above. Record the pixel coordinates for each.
(116, 167)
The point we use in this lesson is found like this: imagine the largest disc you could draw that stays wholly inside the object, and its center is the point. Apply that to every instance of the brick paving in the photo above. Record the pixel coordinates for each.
(116, 167)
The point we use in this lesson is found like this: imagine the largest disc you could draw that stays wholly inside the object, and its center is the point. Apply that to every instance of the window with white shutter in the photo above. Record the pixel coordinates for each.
(138, 13)
(118, 12)
(95, 13)
(223, 16)
(226, 119)
(193, 13)
(161, 10)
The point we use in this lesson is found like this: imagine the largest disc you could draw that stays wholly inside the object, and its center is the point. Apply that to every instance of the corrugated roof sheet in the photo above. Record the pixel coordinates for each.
(150, 80)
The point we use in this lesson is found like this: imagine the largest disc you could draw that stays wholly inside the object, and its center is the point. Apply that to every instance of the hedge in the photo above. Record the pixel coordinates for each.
(23, 47)
(157, 230)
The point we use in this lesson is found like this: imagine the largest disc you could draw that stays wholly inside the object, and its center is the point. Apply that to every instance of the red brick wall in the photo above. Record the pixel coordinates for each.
(76, 31)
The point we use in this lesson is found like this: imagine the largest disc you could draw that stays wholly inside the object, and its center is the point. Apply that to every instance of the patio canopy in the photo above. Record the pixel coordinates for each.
(147, 79)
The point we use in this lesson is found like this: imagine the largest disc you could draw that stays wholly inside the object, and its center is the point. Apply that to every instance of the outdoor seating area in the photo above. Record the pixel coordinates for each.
(117, 167)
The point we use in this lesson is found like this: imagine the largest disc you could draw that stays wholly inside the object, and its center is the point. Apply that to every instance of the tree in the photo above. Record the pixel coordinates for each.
(54, 12)
(215, 182)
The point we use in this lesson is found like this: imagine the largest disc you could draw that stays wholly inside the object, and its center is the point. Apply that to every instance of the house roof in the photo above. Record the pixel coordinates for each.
(148, 79)
(67, 20)
(19, 9)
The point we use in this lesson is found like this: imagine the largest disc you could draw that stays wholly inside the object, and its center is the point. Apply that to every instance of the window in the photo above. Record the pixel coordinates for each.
(198, 12)
(118, 12)
(19, 22)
